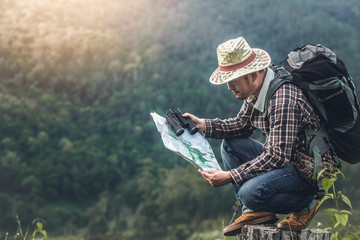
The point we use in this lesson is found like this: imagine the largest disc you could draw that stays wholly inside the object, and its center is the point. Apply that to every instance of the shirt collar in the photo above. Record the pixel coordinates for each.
(260, 102)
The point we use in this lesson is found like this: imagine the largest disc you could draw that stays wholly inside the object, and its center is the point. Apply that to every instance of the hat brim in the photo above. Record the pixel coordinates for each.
(261, 61)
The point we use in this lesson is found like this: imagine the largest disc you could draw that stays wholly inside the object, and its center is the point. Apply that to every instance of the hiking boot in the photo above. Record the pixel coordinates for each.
(251, 218)
(295, 222)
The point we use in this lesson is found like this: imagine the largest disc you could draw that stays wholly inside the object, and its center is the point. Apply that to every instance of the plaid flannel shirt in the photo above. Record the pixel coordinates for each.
(288, 114)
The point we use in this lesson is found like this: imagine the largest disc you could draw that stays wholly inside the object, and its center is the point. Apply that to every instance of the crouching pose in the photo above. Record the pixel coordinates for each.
(265, 179)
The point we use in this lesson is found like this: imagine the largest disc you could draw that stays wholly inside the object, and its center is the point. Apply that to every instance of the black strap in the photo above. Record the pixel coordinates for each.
(274, 85)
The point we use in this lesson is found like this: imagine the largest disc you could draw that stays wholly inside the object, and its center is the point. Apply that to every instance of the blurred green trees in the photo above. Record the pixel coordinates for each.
(78, 79)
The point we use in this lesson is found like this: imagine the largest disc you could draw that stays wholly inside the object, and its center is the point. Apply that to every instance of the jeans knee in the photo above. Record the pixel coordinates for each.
(224, 148)
(230, 161)
(231, 146)
(236, 151)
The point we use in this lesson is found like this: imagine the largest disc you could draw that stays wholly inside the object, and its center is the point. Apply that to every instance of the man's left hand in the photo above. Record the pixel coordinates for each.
(216, 177)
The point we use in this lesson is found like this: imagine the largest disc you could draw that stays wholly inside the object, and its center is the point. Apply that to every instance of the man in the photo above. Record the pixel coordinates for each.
(264, 177)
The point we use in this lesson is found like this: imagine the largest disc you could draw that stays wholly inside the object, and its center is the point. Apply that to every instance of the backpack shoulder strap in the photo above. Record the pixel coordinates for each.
(274, 85)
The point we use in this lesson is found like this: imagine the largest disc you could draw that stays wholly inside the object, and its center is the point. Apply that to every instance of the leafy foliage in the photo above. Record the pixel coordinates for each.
(341, 228)
(79, 78)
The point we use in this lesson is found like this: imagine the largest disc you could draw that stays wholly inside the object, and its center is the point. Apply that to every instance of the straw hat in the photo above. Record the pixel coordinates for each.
(236, 58)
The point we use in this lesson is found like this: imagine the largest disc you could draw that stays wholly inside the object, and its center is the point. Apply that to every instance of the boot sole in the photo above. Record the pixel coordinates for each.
(237, 228)
(290, 228)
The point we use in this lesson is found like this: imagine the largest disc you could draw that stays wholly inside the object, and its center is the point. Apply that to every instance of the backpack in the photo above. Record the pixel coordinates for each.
(329, 88)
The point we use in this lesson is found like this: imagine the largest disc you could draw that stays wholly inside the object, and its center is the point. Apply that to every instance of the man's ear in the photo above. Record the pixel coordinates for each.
(253, 76)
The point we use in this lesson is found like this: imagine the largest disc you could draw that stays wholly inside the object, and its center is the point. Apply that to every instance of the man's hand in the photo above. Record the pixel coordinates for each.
(216, 177)
(200, 123)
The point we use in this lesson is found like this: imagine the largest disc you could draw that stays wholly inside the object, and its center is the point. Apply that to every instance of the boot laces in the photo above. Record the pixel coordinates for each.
(297, 218)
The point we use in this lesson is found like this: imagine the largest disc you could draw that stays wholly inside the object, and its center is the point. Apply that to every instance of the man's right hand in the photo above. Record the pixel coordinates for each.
(199, 122)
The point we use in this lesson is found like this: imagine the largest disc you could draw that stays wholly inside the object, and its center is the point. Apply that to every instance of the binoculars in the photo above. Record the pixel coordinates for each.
(178, 123)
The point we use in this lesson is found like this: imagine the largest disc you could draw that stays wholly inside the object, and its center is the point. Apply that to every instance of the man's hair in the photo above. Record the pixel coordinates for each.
(246, 77)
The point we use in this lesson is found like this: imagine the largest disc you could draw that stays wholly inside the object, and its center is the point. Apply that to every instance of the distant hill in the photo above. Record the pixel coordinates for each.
(78, 79)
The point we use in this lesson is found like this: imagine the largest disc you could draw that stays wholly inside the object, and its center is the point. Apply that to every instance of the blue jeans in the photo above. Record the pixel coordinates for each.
(279, 191)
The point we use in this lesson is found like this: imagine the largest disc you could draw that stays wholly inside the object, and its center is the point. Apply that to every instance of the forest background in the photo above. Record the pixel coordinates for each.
(78, 80)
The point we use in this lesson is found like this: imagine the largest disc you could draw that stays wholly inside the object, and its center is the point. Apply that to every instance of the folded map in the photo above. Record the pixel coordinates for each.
(193, 148)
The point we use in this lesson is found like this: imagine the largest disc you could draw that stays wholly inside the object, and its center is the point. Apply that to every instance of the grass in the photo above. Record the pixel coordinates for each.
(215, 230)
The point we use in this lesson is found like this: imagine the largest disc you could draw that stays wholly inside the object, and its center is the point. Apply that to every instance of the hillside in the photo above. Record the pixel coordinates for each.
(78, 80)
